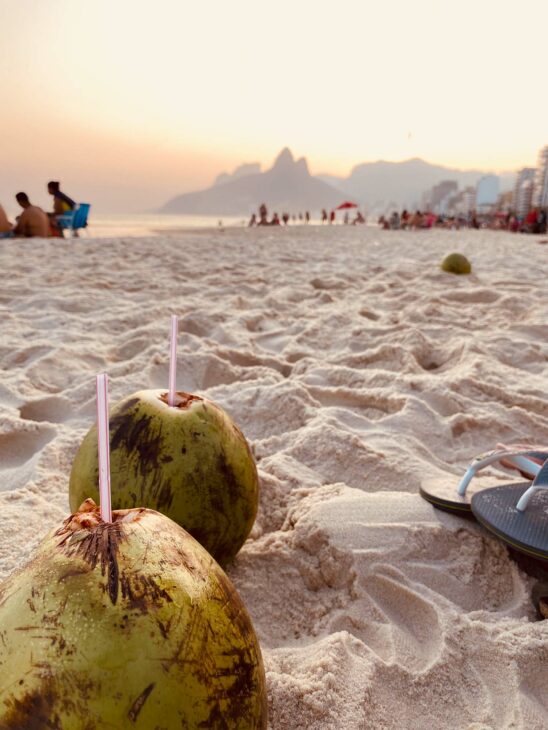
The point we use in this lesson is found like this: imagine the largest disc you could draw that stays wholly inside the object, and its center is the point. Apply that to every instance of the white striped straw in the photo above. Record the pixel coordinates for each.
(173, 360)
(104, 448)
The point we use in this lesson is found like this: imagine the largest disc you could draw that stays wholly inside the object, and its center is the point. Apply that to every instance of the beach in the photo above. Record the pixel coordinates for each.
(357, 369)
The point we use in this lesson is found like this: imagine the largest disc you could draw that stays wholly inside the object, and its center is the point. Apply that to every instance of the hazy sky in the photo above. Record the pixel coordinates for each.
(129, 102)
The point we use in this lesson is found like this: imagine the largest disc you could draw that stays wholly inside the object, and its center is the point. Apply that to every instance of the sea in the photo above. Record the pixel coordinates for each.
(152, 224)
(101, 225)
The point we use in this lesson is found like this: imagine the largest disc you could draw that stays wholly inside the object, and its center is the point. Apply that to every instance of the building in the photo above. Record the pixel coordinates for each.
(487, 192)
(540, 191)
(469, 197)
(462, 203)
(436, 198)
(523, 191)
(505, 202)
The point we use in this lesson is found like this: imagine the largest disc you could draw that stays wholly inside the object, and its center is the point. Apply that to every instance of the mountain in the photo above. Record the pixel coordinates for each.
(401, 183)
(286, 186)
(249, 168)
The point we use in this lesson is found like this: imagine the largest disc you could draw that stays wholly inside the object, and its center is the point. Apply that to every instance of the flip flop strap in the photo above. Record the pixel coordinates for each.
(517, 457)
(540, 482)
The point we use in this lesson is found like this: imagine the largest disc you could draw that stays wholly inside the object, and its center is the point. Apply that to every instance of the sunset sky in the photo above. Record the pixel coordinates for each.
(129, 102)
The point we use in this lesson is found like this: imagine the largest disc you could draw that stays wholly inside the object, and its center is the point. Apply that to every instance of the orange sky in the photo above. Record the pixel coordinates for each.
(130, 102)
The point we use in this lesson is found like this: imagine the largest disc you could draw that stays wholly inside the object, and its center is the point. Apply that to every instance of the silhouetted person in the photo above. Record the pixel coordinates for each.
(417, 220)
(394, 221)
(285, 218)
(332, 216)
(307, 217)
(530, 222)
(61, 202)
(324, 215)
(263, 215)
(275, 220)
(32, 222)
(6, 228)
(252, 220)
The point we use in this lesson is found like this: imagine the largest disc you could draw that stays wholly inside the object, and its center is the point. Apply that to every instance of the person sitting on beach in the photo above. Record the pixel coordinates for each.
(275, 220)
(6, 228)
(32, 222)
(61, 202)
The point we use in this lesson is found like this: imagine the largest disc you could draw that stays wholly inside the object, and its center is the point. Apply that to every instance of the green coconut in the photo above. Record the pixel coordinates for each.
(188, 461)
(456, 263)
(128, 624)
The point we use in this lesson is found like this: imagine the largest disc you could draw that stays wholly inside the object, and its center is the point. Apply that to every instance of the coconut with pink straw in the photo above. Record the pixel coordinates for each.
(103, 598)
(178, 453)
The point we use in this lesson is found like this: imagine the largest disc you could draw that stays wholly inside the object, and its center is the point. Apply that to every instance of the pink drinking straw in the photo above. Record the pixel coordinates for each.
(104, 448)
(173, 359)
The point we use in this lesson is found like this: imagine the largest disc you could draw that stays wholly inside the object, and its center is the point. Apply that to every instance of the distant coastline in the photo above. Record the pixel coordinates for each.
(288, 186)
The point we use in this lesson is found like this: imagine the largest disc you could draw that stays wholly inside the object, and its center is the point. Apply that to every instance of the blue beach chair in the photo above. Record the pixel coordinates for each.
(75, 219)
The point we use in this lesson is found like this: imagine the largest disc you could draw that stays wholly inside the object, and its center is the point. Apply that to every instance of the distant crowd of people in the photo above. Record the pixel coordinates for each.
(359, 219)
(262, 219)
(33, 221)
(533, 222)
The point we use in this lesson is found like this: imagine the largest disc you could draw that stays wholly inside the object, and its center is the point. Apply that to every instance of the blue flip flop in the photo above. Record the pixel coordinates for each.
(446, 496)
(517, 514)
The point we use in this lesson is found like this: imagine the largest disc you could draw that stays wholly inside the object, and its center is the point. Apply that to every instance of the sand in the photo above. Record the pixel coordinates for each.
(356, 368)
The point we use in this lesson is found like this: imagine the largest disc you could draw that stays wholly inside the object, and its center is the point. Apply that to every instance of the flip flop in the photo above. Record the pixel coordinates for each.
(445, 496)
(517, 514)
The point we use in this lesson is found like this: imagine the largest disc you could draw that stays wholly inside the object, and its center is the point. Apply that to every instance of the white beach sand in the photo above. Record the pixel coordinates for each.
(356, 368)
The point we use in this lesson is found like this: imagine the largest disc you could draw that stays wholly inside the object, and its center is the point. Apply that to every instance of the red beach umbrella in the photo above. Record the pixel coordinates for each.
(347, 204)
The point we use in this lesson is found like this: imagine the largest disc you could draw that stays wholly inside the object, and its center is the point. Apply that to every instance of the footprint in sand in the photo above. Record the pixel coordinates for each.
(18, 447)
(373, 407)
(368, 314)
(274, 341)
(53, 409)
(26, 356)
(196, 323)
(533, 698)
(130, 349)
(19, 454)
(199, 372)
(245, 359)
(415, 631)
(478, 296)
